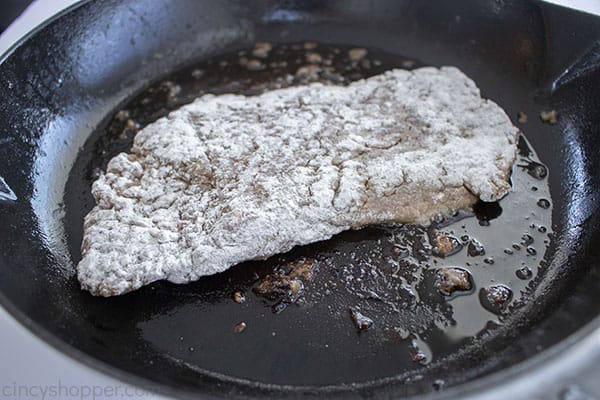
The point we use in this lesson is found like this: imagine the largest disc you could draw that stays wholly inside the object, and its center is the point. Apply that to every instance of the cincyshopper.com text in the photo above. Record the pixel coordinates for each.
(60, 390)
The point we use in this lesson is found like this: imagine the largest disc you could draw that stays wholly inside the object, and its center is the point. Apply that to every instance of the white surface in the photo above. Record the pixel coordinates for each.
(591, 6)
(37, 12)
(29, 368)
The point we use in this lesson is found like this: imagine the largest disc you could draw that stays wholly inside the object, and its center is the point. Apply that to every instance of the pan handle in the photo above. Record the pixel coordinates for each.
(584, 65)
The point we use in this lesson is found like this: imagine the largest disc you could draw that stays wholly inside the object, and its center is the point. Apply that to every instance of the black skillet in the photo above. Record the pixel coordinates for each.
(61, 88)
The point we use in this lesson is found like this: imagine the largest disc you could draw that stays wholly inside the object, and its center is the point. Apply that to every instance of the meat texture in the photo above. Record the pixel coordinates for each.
(231, 178)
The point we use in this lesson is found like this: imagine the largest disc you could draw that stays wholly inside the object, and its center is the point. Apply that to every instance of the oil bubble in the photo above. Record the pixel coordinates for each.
(438, 384)
(526, 240)
(524, 273)
(537, 170)
(543, 203)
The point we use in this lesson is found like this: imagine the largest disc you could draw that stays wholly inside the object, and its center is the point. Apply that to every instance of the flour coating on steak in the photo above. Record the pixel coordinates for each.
(231, 178)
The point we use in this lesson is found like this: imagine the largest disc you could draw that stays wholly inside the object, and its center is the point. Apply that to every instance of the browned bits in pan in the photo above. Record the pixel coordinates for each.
(418, 356)
(130, 127)
(550, 117)
(313, 58)
(357, 54)
(255, 65)
(522, 117)
(286, 285)
(273, 286)
(474, 248)
(239, 297)
(449, 280)
(495, 298)
(302, 268)
(361, 321)
(445, 244)
(309, 71)
(122, 115)
(261, 49)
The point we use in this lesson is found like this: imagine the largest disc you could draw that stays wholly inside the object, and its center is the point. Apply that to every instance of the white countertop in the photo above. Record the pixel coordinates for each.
(30, 368)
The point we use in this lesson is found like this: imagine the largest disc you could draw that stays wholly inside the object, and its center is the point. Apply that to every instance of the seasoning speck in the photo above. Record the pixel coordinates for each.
(122, 115)
(408, 64)
(357, 54)
(549, 116)
(239, 328)
(522, 117)
(313, 58)
(261, 49)
(254, 65)
(239, 297)
(308, 71)
(361, 321)
(197, 73)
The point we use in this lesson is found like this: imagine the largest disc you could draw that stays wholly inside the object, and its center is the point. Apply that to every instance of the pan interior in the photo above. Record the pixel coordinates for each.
(386, 273)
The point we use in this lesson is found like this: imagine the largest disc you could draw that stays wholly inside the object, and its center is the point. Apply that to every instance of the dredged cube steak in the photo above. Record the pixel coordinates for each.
(231, 178)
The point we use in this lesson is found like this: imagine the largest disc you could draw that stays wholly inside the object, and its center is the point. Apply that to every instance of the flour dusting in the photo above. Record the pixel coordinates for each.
(231, 178)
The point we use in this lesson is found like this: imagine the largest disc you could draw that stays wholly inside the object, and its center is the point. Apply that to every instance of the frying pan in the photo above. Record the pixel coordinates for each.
(61, 86)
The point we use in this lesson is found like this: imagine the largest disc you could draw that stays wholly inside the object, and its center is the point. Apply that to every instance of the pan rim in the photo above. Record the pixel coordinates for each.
(582, 339)
(38, 28)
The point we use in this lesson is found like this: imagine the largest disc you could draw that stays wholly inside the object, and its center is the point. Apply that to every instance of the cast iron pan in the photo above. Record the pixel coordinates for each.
(63, 87)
